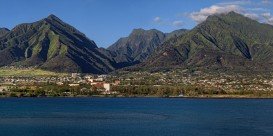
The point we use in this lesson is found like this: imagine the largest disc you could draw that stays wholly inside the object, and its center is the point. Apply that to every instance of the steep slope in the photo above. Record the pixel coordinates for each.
(140, 44)
(3, 31)
(53, 45)
(223, 41)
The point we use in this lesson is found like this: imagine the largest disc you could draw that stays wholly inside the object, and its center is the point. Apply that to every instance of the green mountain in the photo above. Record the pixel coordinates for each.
(53, 45)
(175, 34)
(140, 44)
(3, 31)
(226, 41)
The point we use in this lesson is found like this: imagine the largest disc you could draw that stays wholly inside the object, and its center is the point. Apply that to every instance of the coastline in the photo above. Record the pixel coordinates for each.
(165, 97)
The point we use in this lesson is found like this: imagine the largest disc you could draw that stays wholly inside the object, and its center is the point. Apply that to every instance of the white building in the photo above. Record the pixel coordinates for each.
(99, 79)
(75, 75)
(73, 85)
(90, 80)
(107, 87)
(3, 88)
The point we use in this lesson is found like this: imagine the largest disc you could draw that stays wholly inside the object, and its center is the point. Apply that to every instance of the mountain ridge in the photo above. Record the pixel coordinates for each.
(3, 31)
(222, 41)
(140, 44)
(54, 45)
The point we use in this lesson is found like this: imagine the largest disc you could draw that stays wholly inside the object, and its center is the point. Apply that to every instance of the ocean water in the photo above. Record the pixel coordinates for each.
(135, 117)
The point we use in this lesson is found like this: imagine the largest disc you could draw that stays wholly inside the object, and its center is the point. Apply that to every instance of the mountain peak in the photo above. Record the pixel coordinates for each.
(5, 29)
(54, 45)
(138, 30)
(52, 16)
(60, 24)
(141, 31)
(233, 13)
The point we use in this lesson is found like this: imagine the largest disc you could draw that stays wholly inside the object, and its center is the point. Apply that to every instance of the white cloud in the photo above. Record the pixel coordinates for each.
(244, 7)
(270, 21)
(268, 18)
(266, 15)
(157, 20)
(255, 10)
(253, 16)
(202, 15)
(168, 22)
(177, 23)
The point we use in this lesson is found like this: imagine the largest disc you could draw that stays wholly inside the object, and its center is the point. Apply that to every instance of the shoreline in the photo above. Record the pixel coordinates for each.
(167, 97)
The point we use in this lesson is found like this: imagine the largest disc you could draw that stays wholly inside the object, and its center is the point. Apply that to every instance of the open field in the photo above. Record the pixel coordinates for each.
(4, 72)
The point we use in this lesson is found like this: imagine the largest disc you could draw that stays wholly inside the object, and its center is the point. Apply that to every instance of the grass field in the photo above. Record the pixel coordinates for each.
(4, 72)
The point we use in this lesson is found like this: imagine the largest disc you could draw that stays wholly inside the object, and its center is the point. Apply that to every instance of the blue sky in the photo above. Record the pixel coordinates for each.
(105, 21)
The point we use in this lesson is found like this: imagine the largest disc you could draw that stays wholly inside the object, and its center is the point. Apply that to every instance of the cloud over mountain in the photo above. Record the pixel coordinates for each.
(157, 20)
(177, 23)
(257, 11)
(202, 15)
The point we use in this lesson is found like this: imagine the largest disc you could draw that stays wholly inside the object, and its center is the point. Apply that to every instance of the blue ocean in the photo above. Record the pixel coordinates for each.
(135, 117)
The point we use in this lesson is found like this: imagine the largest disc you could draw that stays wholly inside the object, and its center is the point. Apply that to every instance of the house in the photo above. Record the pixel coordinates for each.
(117, 82)
(75, 75)
(107, 87)
(97, 84)
(90, 80)
(3, 88)
(102, 76)
(59, 83)
(99, 79)
(73, 85)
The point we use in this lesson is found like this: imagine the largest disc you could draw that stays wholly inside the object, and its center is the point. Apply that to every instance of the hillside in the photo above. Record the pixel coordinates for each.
(3, 31)
(52, 45)
(226, 41)
(140, 44)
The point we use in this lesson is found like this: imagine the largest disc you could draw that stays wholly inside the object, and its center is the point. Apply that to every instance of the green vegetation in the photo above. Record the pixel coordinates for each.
(226, 41)
(196, 84)
(144, 84)
(53, 46)
(4, 72)
(187, 91)
(63, 49)
(50, 90)
(140, 44)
